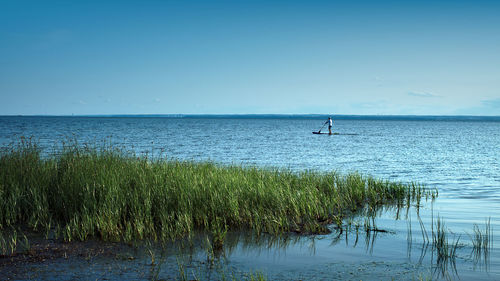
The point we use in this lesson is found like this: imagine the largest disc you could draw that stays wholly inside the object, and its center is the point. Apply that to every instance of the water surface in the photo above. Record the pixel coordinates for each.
(459, 157)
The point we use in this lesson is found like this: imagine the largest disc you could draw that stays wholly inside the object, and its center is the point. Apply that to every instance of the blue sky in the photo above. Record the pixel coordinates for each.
(168, 57)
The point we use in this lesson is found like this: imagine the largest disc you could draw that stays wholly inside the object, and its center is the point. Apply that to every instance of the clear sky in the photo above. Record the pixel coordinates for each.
(169, 57)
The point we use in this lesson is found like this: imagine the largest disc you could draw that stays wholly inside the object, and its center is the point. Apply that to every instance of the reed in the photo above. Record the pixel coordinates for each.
(482, 242)
(87, 191)
(445, 251)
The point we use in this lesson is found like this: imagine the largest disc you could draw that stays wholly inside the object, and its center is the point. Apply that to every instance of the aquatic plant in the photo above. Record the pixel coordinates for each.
(84, 191)
(444, 249)
(482, 242)
(14, 240)
(441, 247)
(409, 238)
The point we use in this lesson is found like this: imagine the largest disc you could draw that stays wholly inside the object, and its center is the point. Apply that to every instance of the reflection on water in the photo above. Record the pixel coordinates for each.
(420, 240)
(393, 242)
(432, 249)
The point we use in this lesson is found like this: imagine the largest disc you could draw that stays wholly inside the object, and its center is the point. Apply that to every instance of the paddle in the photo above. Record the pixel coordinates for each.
(322, 127)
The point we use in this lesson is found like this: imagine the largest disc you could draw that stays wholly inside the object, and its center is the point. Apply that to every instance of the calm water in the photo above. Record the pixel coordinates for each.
(460, 158)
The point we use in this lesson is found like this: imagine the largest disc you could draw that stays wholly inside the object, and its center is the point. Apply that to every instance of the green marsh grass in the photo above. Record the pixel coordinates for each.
(482, 242)
(441, 247)
(445, 251)
(88, 191)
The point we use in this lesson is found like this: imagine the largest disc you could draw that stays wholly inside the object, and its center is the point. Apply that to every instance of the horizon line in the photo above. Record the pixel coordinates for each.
(257, 115)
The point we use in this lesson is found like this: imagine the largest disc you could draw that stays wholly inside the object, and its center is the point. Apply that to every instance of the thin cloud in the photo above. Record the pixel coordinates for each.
(423, 95)
(80, 102)
(489, 107)
(493, 103)
(378, 80)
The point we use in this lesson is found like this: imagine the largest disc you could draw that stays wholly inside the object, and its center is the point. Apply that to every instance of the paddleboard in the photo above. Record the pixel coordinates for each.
(318, 133)
(334, 134)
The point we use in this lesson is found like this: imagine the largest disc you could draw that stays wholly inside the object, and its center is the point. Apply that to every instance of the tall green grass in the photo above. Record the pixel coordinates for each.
(482, 242)
(82, 192)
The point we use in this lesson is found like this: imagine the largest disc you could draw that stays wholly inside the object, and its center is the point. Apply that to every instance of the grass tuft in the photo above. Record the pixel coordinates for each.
(482, 242)
(85, 191)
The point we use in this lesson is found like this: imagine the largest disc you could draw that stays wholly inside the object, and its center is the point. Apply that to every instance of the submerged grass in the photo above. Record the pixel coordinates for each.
(82, 192)
(445, 251)
(482, 242)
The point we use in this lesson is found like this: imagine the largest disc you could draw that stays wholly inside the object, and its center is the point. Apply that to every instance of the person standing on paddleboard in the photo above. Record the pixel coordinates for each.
(330, 124)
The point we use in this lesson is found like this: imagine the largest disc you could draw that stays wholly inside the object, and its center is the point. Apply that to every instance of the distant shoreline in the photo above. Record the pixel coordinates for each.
(278, 116)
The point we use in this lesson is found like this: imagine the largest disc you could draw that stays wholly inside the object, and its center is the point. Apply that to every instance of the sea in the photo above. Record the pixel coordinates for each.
(459, 156)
